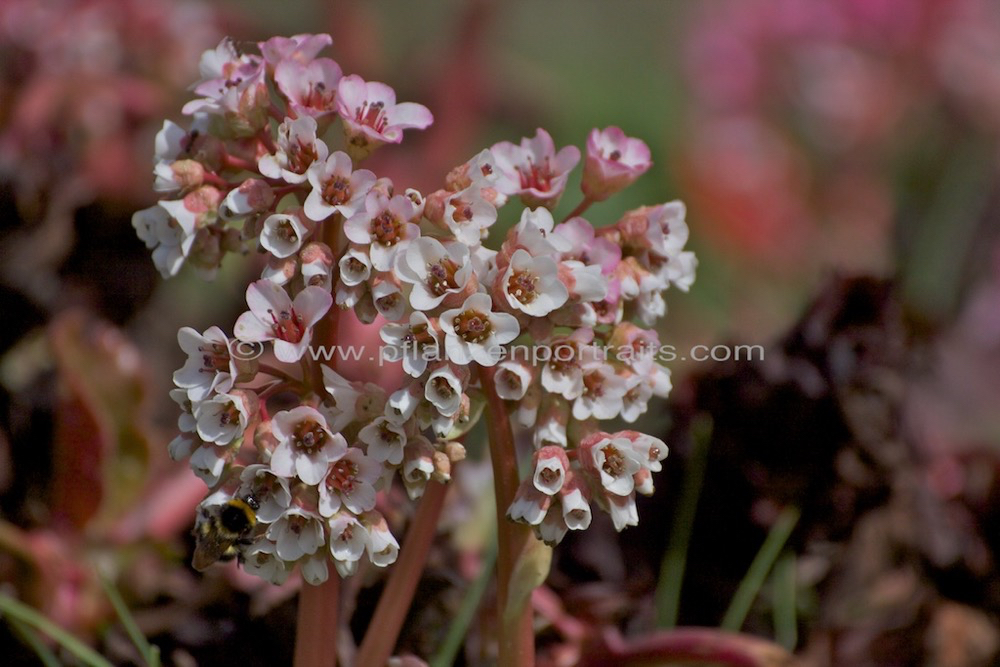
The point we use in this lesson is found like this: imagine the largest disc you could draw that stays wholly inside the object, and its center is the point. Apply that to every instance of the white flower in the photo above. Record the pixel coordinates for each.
(186, 422)
(418, 466)
(207, 462)
(576, 509)
(563, 370)
(296, 533)
(345, 396)
(336, 188)
(253, 195)
(271, 491)
(475, 333)
(317, 266)
(603, 393)
(355, 267)
(534, 233)
(298, 149)
(261, 560)
(168, 229)
(551, 467)
(622, 510)
(613, 460)
(385, 441)
(348, 539)
(349, 482)
(306, 446)
(283, 234)
(388, 300)
(444, 388)
(314, 568)
(273, 316)
(435, 271)
(223, 418)
(649, 451)
(532, 285)
(209, 367)
(512, 380)
(636, 399)
(553, 527)
(530, 504)
(382, 545)
(468, 215)
(383, 223)
(415, 343)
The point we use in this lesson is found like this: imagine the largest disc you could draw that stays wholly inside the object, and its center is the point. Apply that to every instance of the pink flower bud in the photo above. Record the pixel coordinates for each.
(614, 161)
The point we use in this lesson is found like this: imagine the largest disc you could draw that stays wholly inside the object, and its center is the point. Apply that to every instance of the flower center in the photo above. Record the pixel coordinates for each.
(463, 210)
(550, 475)
(472, 326)
(386, 229)
(229, 415)
(522, 286)
(337, 191)
(563, 357)
(536, 177)
(593, 385)
(372, 115)
(214, 358)
(285, 231)
(441, 276)
(615, 155)
(308, 436)
(387, 435)
(389, 301)
(419, 336)
(318, 97)
(343, 476)
(442, 387)
(287, 325)
(300, 156)
(614, 462)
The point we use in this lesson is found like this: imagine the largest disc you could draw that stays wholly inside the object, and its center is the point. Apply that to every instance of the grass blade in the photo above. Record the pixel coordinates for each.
(668, 590)
(150, 654)
(786, 631)
(761, 566)
(36, 621)
(31, 639)
(452, 643)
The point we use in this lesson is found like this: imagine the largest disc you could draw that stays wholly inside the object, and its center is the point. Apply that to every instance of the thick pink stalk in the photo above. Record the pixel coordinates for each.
(383, 631)
(516, 631)
(318, 626)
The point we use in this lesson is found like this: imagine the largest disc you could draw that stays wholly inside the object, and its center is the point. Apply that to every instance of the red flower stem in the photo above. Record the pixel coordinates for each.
(383, 631)
(516, 631)
(317, 627)
(684, 645)
(580, 209)
(238, 163)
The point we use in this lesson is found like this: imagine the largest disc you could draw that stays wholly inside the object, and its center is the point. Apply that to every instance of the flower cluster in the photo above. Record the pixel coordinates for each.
(263, 166)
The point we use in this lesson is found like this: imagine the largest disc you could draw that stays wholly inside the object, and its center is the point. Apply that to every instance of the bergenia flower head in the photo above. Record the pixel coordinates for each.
(557, 318)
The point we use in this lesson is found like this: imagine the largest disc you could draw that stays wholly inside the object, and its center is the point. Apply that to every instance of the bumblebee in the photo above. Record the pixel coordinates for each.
(222, 529)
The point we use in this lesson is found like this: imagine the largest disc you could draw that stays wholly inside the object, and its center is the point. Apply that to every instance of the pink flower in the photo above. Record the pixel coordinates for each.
(613, 162)
(306, 447)
(533, 170)
(311, 88)
(298, 48)
(586, 247)
(612, 460)
(274, 316)
(372, 117)
(436, 271)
